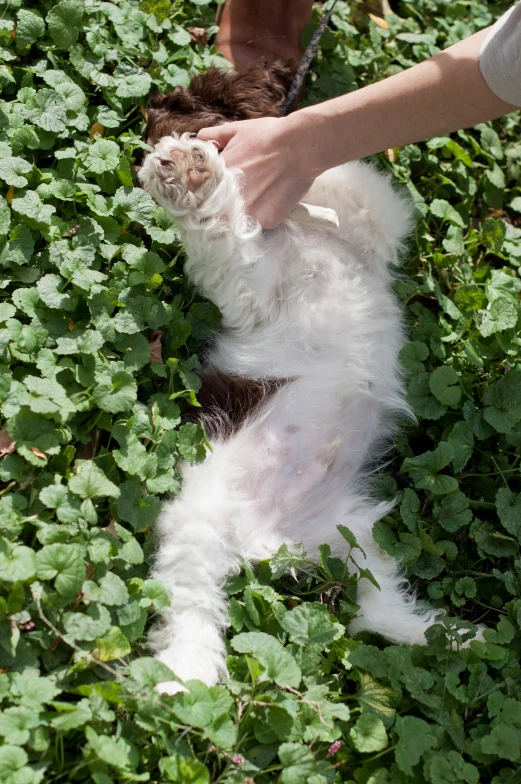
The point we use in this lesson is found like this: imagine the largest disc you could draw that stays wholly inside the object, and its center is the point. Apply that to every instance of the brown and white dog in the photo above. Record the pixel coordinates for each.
(302, 381)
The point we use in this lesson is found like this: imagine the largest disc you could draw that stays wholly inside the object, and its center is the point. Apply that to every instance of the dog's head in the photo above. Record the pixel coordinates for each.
(218, 96)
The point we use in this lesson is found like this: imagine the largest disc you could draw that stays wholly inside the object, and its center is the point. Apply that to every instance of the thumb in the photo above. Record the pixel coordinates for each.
(219, 133)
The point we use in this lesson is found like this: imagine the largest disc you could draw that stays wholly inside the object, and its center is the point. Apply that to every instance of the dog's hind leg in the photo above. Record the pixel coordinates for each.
(197, 548)
(373, 218)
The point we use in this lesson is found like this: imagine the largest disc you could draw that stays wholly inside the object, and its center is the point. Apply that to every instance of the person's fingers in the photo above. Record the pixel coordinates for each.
(219, 133)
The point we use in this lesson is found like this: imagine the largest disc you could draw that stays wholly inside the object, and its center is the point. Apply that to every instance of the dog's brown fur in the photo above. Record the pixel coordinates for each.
(218, 96)
(227, 401)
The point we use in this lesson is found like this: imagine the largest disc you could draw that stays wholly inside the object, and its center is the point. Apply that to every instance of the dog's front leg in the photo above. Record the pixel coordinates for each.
(227, 257)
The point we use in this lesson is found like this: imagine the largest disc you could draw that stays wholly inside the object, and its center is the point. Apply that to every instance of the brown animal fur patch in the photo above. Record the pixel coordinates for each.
(226, 401)
(218, 96)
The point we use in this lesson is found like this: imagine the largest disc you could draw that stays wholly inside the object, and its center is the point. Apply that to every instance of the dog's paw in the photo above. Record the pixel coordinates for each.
(182, 173)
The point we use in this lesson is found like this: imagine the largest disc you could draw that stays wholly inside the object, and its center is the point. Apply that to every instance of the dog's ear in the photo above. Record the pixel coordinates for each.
(217, 96)
(260, 91)
(181, 111)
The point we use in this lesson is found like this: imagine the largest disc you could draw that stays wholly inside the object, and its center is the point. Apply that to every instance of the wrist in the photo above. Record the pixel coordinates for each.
(302, 129)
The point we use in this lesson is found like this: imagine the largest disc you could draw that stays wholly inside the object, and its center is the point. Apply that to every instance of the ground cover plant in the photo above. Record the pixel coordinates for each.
(99, 336)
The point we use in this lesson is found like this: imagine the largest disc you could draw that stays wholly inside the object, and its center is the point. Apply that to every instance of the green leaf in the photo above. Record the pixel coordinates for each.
(12, 171)
(31, 206)
(117, 752)
(184, 771)
(453, 242)
(111, 591)
(406, 548)
(63, 21)
(134, 85)
(17, 563)
(116, 389)
(89, 481)
(412, 355)
(491, 142)
(370, 658)
(141, 511)
(502, 315)
(278, 663)
(190, 443)
(12, 761)
(72, 717)
(461, 440)
(504, 742)
(89, 625)
(509, 511)
(113, 645)
(442, 209)
(148, 672)
(442, 384)
(491, 541)
(298, 763)
(65, 190)
(450, 767)
(50, 111)
(422, 402)
(134, 204)
(33, 432)
(80, 341)
(51, 290)
(453, 511)
(59, 498)
(63, 562)
(102, 157)
(208, 708)
(29, 28)
(132, 456)
(16, 724)
(369, 734)
(425, 468)
(32, 690)
(415, 737)
(311, 625)
(155, 594)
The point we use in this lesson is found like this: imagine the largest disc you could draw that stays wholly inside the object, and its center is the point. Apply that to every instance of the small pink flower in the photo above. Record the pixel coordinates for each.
(237, 759)
(334, 748)
(74, 229)
(248, 781)
(507, 368)
(213, 748)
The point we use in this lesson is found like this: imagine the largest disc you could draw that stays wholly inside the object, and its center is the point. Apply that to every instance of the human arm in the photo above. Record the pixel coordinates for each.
(281, 157)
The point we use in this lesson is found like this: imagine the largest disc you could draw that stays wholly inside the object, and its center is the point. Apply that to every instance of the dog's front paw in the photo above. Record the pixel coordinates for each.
(182, 173)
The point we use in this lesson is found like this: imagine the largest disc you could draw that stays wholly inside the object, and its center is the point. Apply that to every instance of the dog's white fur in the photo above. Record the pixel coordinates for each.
(315, 307)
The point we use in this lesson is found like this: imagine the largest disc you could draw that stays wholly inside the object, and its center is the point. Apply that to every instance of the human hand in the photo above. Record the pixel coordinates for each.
(276, 176)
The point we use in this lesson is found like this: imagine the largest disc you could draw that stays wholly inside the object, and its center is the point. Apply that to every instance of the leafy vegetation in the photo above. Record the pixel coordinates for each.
(92, 289)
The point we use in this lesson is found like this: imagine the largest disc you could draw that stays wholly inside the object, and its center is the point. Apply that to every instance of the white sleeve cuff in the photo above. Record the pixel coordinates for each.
(500, 57)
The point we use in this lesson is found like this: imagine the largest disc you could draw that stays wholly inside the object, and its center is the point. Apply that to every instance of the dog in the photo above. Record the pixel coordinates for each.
(302, 382)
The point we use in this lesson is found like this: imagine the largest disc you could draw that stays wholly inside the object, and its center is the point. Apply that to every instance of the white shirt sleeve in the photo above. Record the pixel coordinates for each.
(500, 57)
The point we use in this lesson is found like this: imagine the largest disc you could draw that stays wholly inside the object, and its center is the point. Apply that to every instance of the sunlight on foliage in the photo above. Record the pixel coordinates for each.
(99, 334)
